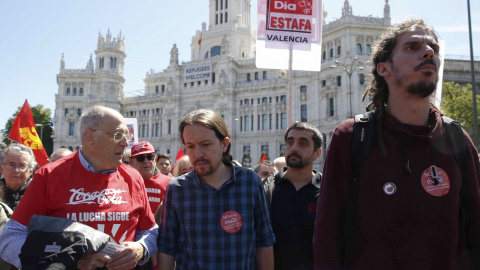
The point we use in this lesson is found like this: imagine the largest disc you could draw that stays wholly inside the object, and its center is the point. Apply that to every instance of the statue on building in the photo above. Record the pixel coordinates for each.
(174, 56)
(226, 45)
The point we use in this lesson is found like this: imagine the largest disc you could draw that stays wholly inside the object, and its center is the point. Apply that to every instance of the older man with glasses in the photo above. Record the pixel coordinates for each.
(17, 170)
(95, 188)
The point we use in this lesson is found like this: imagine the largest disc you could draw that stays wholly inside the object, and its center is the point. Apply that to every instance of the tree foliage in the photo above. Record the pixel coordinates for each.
(40, 115)
(457, 103)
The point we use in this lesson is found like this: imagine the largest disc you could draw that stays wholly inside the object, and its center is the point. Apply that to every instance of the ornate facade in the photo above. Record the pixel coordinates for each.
(252, 101)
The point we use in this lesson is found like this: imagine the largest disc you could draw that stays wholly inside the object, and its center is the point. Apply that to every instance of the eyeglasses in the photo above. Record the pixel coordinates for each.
(142, 157)
(21, 167)
(117, 136)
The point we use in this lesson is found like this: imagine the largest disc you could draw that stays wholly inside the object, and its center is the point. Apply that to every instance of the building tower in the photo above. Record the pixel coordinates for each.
(230, 18)
(79, 89)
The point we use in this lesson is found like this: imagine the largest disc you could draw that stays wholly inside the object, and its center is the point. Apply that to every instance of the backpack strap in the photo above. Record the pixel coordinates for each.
(458, 145)
(363, 129)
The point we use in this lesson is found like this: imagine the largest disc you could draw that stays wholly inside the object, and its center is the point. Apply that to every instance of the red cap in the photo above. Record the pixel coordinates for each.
(142, 148)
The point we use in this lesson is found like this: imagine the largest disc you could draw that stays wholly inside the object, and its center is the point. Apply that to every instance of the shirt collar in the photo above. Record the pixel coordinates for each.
(89, 168)
(316, 179)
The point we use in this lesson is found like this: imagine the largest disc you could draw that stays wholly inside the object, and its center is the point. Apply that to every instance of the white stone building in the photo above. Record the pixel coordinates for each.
(251, 100)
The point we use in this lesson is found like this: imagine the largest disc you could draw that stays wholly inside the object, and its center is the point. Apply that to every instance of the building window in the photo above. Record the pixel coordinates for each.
(248, 77)
(256, 76)
(283, 124)
(258, 122)
(143, 130)
(216, 18)
(79, 112)
(361, 79)
(369, 48)
(221, 17)
(74, 91)
(283, 98)
(216, 5)
(339, 50)
(359, 48)
(246, 160)
(270, 122)
(226, 4)
(80, 93)
(264, 100)
(303, 113)
(156, 129)
(282, 150)
(331, 107)
(68, 91)
(265, 150)
(215, 51)
(247, 101)
(169, 127)
(247, 123)
(303, 89)
(213, 77)
(265, 122)
(324, 83)
(241, 123)
(264, 75)
(102, 62)
(331, 53)
(339, 80)
(156, 89)
(226, 17)
(324, 55)
(66, 111)
(71, 129)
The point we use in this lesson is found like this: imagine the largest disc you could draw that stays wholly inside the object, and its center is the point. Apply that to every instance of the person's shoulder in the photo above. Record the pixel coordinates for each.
(346, 127)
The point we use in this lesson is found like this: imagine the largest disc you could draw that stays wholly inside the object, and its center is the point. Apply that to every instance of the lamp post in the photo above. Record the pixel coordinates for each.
(41, 130)
(349, 69)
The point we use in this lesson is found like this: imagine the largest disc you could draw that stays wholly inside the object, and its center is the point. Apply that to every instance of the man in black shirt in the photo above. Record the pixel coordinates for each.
(292, 194)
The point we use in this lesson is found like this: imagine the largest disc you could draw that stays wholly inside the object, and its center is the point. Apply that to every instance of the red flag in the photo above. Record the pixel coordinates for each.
(199, 44)
(179, 155)
(264, 157)
(23, 131)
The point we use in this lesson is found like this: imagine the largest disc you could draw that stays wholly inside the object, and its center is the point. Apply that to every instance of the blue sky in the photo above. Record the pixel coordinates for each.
(34, 34)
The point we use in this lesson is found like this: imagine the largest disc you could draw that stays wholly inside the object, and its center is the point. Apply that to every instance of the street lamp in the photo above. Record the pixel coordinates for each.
(349, 69)
(41, 130)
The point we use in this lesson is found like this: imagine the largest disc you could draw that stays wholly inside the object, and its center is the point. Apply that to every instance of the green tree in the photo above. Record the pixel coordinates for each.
(457, 103)
(41, 116)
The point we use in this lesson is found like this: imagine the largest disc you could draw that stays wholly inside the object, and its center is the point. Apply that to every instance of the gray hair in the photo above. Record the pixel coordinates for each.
(22, 149)
(93, 117)
(267, 163)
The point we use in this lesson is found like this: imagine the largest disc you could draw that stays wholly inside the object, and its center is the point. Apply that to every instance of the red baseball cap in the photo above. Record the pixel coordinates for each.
(142, 148)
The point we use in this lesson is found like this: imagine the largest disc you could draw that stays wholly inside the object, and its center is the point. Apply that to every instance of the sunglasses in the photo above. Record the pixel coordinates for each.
(142, 157)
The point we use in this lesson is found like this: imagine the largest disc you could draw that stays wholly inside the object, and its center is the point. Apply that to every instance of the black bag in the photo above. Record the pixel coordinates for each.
(58, 243)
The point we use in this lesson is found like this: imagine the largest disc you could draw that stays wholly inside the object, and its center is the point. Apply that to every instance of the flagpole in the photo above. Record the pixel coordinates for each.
(290, 79)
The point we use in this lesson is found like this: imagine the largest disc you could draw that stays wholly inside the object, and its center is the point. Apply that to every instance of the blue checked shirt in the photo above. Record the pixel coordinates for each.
(206, 228)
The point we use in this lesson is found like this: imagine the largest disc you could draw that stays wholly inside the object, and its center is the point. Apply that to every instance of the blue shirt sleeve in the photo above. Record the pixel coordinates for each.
(167, 232)
(13, 236)
(263, 229)
(148, 239)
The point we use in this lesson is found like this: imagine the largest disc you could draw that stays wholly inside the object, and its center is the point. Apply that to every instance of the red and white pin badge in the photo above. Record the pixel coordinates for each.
(231, 222)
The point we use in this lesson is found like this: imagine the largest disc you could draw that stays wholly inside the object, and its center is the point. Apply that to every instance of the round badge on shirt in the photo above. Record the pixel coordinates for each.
(437, 188)
(389, 188)
(231, 221)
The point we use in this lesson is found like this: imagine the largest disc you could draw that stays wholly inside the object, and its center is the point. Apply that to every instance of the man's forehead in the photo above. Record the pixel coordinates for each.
(300, 133)
(417, 35)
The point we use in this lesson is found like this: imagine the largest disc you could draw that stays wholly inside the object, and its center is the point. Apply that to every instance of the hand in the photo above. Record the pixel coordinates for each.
(127, 258)
(93, 261)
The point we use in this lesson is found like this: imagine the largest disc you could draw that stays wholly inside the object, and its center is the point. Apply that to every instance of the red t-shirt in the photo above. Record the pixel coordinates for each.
(115, 204)
(156, 187)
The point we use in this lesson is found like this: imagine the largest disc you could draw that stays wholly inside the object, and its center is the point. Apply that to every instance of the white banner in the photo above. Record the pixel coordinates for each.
(289, 24)
(197, 73)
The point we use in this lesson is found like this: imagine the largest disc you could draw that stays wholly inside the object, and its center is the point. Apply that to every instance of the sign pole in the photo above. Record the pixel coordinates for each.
(290, 90)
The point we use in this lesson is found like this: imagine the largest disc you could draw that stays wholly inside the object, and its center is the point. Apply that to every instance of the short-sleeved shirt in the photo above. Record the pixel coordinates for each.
(292, 213)
(115, 204)
(208, 228)
(156, 187)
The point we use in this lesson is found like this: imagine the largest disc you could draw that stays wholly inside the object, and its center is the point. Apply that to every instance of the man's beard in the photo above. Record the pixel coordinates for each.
(298, 163)
(422, 89)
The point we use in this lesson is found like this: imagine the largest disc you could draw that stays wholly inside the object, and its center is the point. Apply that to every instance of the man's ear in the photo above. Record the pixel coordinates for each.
(89, 135)
(225, 143)
(317, 153)
(383, 69)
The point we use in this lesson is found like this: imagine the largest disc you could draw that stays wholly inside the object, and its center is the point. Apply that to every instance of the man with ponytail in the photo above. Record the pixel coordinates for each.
(416, 201)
